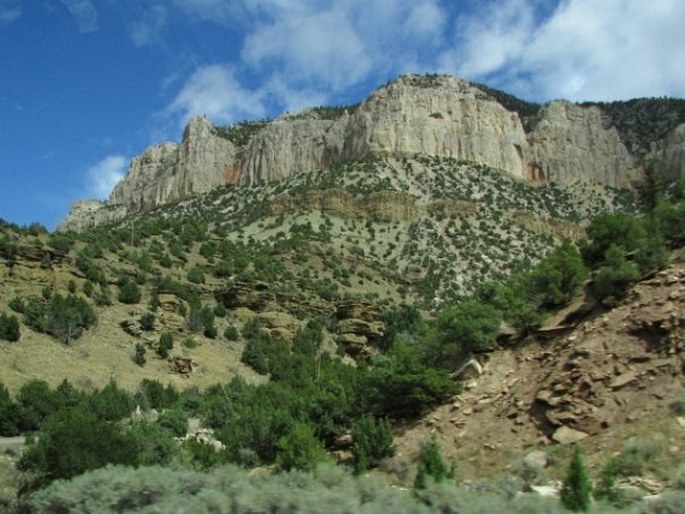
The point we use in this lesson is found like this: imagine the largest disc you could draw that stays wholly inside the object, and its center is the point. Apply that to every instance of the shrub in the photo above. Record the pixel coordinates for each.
(196, 275)
(189, 343)
(372, 442)
(139, 356)
(72, 442)
(111, 403)
(559, 277)
(154, 443)
(262, 353)
(9, 414)
(67, 317)
(231, 333)
(299, 448)
(575, 492)
(129, 292)
(166, 344)
(637, 452)
(9, 328)
(471, 326)
(175, 420)
(36, 402)
(147, 321)
(431, 465)
(17, 304)
(61, 242)
(402, 386)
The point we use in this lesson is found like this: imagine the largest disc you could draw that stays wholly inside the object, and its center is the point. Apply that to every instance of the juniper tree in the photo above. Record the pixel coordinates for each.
(575, 493)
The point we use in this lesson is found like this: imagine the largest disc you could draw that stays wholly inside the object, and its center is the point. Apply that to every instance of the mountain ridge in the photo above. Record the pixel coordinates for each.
(436, 115)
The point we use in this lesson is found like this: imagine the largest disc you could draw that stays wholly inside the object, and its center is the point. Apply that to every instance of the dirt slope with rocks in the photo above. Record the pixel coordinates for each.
(597, 381)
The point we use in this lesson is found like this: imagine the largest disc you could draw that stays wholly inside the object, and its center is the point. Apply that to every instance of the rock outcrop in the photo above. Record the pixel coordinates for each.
(443, 116)
(170, 172)
(453, 119)
(570, 143)
(669, 154)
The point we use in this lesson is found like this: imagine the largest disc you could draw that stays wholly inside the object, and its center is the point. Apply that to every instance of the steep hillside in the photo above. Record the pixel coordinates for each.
(423, 231)
(599, 379)
(435, 115)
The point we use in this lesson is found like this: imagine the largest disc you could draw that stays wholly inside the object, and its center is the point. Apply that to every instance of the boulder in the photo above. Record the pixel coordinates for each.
(565, 435)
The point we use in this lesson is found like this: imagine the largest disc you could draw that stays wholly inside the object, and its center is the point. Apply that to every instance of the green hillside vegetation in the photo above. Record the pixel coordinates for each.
(302, 393)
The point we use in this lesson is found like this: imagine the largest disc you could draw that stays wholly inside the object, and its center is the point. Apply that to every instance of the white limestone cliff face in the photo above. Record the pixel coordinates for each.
(86, 214)
(447, 118)
(453, 119)
(570, 143)
(669, 154)
(290, 146)
(170, 172)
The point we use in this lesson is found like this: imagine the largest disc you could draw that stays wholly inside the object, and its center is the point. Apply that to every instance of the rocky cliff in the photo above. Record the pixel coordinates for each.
(432, 115)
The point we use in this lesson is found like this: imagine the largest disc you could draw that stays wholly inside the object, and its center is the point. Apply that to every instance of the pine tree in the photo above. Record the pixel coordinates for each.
(575, 493)
(431, 464)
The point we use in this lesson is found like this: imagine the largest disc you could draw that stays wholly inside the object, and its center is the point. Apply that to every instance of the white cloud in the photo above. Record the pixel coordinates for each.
(339, 44)
(584, 50)
(84, 14)
(489, 39)
(10, 10)
(214, 91)
(320, 47)
(103, 176)
(308, 52)
(148, 29)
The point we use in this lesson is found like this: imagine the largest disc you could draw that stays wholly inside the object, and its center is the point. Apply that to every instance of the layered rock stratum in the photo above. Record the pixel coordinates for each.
(414, 115)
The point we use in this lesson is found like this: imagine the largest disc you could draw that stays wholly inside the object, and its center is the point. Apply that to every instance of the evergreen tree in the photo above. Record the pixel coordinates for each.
(575, 493)
(372, 442)
(431, 464)
(9, 327)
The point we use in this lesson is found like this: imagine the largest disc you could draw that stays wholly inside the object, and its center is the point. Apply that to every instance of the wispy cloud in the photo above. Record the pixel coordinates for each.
(10, 10)
(103, 176)
(148, 29)
(214, 90)
(84, 13)
(307, 52)
(583, 50)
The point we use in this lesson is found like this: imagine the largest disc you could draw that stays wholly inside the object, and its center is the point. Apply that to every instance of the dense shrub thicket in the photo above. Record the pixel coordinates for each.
(328, 489)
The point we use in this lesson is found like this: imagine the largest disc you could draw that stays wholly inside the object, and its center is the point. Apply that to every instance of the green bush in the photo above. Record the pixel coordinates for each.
(636, 454)
(299, 448)
(154, 443)
(558, 277)
(400, 385)
(231, 333)
(36, 401)
(139, 355)
(372, 442)
(264, 354)
(175, 420)
(129, 292)
(614, 278)
(196, 275)
(431, 465)
(147, 321)
(72, 442)
(67, 317)
(471, 326)
(9, 414)
(9, 328)
(575, 492)
(165, 345)
(111, 403)
(155, 395)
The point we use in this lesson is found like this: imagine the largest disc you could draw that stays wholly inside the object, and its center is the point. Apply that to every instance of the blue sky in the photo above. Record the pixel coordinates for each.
(85, 85)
